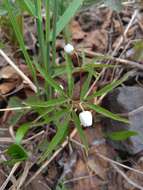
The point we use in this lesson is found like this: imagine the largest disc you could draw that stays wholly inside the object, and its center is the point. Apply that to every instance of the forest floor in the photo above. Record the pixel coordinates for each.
(109, 166)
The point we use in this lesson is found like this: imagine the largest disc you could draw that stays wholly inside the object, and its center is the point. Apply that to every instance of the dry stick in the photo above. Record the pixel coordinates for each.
(117, 163)
(9, 177)
(14, 108)
(10, 140)
(126, 177)
(51, 159)
(123, 61)
(117, 47)
(125, 32)
(23, 76)
(22, 178)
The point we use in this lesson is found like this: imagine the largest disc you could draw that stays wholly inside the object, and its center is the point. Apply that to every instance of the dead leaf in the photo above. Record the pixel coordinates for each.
(6, 87)
(135, 177)
(8, 73)
(77, 32)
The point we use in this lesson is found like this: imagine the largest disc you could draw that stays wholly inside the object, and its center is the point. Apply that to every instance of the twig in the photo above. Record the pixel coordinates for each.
(11, 140)
(126, 177)
(15, 108)
(9, 177)
(119, 164)
(125, 32)
(23, 76)
(78, 179)
(51, 159)
(22, 178)
(123, 61)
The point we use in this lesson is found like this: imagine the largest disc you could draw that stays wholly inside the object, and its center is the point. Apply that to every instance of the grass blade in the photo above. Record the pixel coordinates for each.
(80, 131)
(19, 37)
(62, 129)
(21, 132)
(107, 113)
(85, 86)
(66, 17)
(45, 104)
(29, 6)
(121, 135)
(109, 87)
(50, 80)
(42, 48)
(69, 70)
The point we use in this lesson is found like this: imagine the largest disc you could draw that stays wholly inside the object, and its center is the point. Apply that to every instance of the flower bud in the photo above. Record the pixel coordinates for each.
(69, 49)
(86, 118)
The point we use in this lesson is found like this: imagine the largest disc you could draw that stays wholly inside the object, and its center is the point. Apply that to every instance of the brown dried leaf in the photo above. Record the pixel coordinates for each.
(6, 87)
(135, 177)
(8, 73)
(77, 32)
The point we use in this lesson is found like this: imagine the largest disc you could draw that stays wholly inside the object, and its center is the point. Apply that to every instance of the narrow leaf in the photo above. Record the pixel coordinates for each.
(49, 103)
(80, 130)
(86, 86)
(66, 17)
(107, 113)
(109, 87)
(62, 128)
(69, 68)
(17, 152)
(121, 135)
(21, 132)
(50, 80)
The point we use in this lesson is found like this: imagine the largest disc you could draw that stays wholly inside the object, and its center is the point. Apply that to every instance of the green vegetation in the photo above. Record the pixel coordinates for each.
(61, 109)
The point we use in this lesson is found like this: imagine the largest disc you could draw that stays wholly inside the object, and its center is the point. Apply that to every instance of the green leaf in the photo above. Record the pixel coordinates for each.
(109, 87)
(17, 152)
(49, 103)
(16, 102)
(121, 135)
(3, 12)
(66, 17)
(29, 6)
(50, 80)
(86, 86)
(107, 113)
(69, 68)
(62, 129)
(80, 130)
(21, 132)
(19, 36)
(40, 32)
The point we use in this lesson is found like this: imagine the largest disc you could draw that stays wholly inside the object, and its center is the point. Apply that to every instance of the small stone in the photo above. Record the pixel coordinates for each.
(86, 118)
(69, 49)
(124, 100)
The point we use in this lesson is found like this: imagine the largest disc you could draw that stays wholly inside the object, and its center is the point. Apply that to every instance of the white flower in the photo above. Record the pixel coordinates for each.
(69, 49)
(86, 118)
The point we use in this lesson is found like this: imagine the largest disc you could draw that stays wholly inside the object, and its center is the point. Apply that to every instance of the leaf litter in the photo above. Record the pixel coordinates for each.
(92, 32)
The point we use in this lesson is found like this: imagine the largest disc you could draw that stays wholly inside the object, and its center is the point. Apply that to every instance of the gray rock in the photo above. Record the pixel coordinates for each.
(124, 100)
